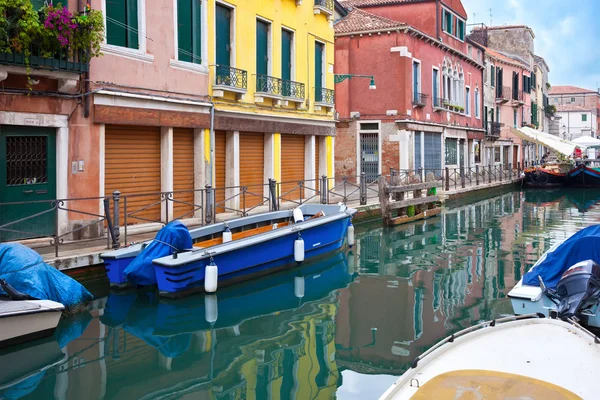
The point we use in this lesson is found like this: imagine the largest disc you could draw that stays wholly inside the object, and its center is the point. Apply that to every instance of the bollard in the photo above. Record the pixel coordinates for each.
(462, 176)
(510, 171)
(490, 174)
(477, 175)
(519, 168)
(108, 218)
(363, 188)
(324, 189)
(273, 195)
(447, 179)
(208, 210)
(116, 231)
(501, 171)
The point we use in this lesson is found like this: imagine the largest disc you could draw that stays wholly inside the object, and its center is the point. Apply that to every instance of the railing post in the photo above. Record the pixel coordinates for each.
(272, 188)
(519, 169)
(324, 189)
(510, 171)
(422, 174)
(447, 179)
(501, 171)
(462, 176)
(116, 231)
(208, 212)
(477, 175)
(490, 173)
(363, 188)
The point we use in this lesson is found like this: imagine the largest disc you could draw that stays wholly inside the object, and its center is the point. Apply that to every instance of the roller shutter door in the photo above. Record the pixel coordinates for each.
(220, 141)
(183, 173)
(132, 166)
(252, 167)
(292, 166)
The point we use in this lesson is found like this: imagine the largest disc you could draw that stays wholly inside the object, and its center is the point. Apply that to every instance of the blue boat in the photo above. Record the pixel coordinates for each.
(584, 176)
(238, 249)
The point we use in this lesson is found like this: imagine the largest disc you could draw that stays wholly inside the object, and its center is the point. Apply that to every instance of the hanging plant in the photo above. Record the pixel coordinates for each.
(59, 24)
(19, 26)
(89, 34)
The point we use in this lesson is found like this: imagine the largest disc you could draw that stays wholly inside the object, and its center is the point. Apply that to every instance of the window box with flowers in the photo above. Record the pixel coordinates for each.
(49, 38)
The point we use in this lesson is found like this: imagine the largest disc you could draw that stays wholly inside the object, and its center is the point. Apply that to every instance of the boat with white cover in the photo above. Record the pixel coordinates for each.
(25, 320)
(519, 357)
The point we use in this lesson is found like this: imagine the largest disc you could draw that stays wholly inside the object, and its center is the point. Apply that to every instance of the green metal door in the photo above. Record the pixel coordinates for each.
(262, 40)
(286, 60)
(27, 176)
(223, 36)
(318, 71)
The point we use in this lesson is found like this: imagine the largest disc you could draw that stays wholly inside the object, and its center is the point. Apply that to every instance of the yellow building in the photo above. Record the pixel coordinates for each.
(271, 81)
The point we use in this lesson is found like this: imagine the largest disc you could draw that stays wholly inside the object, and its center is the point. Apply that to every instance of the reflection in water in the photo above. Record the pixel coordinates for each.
(317, 332)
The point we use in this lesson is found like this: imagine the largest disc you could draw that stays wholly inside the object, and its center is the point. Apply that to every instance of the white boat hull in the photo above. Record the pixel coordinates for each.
(21, 321)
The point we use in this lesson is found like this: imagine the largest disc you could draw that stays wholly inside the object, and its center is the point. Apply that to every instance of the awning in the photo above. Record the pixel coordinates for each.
(561, 146)
(587, 141)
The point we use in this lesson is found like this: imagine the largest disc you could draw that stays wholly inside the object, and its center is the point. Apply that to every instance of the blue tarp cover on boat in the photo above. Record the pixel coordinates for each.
(174, 236)
(25, 270)
(582, 246)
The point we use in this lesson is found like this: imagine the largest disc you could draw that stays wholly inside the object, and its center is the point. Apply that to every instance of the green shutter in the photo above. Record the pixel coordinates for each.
(262, 60)
(132, 24)
(116, 34)
(318, 71)
(223, 35)
(37, 4)
(461, 29)
(286, 55)
(184, 30)
(493, 83)
(449, 23)
(197, 31)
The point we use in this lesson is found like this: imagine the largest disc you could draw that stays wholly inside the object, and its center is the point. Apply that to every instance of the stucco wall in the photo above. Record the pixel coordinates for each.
(517, 41)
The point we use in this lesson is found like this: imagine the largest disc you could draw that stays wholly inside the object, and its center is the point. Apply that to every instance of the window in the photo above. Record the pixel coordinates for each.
(451, 151)
(515, 118)
(460, 25)
(188, 31)
(448, 22)
(223, 38)
(583, 117)
(493, 76)
(319, 52)
(262, 47)
(369, 149)
(416, 81)
(572, 99)
(477, 151)
(122, 23)
(497, 154)
(436, 89)
(468, 102)
(470, 51)
(476, 102)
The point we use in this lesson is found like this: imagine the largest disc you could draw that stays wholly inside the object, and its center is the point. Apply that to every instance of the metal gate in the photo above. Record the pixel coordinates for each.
(369, 149)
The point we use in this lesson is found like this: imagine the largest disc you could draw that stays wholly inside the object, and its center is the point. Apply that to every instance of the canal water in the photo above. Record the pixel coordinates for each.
(344, 327)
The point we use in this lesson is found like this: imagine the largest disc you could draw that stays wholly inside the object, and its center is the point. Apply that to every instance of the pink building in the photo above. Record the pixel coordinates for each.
(426, 111)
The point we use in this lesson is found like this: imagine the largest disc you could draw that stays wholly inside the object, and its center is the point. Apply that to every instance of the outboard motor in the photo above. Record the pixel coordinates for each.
(578, 289)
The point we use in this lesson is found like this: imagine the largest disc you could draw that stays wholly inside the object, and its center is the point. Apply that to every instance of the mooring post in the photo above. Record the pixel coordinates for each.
(273, 195)
(510, 171)
(324, 189)
(490, 173)
(519, 168)
(208, 208)
(363, 188)
(384, 200)
(477, 175)
(116, 231)
(447, 179)
(501, 171)
(462, 176)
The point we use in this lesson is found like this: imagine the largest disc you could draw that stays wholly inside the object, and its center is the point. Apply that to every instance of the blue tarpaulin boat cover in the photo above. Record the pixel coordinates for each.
(25, 270)
(582, 246)
(173, 237)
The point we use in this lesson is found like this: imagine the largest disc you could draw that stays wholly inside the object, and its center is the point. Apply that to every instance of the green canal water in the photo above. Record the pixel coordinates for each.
(344, 327)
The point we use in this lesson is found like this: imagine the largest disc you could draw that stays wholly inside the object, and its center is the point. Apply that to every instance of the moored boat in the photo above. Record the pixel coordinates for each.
(517, 357)
(238, 248)
(565, 280)
(547, 176)
(584, 176)
(25, 320)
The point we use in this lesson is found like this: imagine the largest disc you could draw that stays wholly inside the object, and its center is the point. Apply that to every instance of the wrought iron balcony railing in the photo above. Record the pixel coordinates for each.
(62, 59)
(325, 96)
(420, 99)
(493, 129)
(517, 96)
(232, 77)
(327, 4)
(440, 102)
(268, 84)
(293, 89)
(503, 93)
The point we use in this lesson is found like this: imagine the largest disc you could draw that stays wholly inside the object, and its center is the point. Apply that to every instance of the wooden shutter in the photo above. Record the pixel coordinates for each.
(116, 19)
(292, 166)
(132, 166)
(188, 30)
(252, 161)
(183, 172)
(220, 160)
(262, 42)
(132, 24)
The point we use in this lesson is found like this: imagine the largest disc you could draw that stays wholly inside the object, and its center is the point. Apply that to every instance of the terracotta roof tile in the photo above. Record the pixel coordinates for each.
(456, 5)
(358, 20)
(569, 90)
(502, 57)
(572, 108)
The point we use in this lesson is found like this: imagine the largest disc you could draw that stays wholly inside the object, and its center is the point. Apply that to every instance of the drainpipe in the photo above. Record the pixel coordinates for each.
(212, 142)
(86, 76)
(437, 19)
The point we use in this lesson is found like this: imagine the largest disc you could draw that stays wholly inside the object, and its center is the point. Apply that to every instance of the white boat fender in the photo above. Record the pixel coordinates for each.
(211, 308)
(299, 286)
(350, 234)
(211, 277)
(299, 249)
(298, 216)
(227, 235)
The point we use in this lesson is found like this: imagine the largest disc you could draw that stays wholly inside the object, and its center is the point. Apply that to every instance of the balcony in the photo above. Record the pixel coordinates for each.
(293, 92)
(419, 99)
(517, 98)
(493, 130)
(503, 94)
(440, 104)
(324, 98)
(325, 7)
(267, 87)
(230, 80)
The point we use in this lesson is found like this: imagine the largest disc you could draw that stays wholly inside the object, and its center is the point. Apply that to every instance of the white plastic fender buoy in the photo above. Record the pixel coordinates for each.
(299, 286)
(211, 277)
(227, 235)
(298, 216)
(211, 308)
(299, 250)
(350, 235)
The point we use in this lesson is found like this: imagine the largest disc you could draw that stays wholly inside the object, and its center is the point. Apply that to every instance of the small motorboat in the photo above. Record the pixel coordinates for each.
(545, 177)
(565, 280)
(25, 320)
(517, 357)
(584, 176)
(231, 251)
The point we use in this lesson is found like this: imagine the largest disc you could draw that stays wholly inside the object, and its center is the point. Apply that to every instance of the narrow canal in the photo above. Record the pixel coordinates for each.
(344, 327)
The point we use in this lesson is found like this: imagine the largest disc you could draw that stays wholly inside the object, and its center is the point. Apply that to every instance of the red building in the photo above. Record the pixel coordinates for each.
(426, 110)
